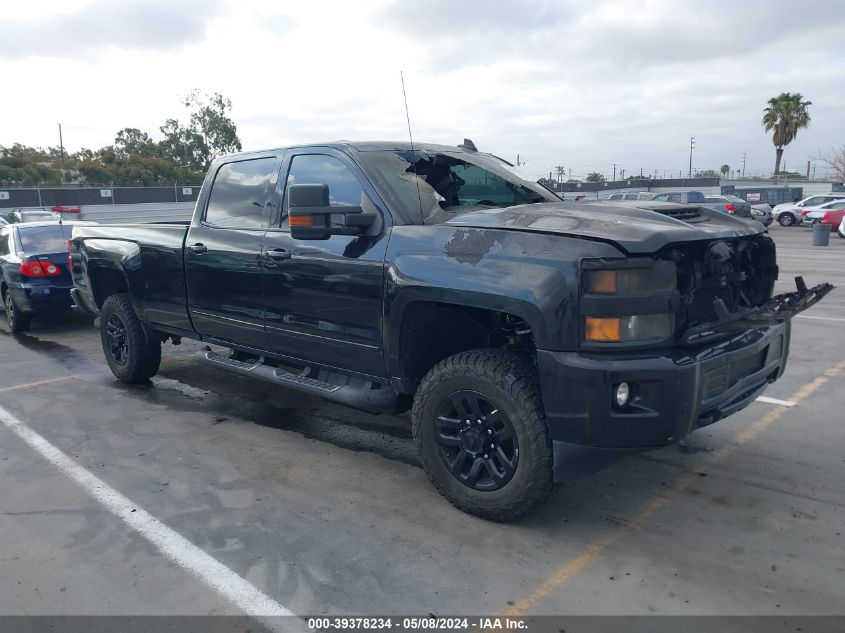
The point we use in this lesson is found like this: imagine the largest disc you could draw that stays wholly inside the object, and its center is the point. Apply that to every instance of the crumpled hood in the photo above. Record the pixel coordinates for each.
(633, 229)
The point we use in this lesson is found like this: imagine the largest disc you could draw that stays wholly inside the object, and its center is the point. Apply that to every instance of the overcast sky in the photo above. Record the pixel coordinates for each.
(579, 83)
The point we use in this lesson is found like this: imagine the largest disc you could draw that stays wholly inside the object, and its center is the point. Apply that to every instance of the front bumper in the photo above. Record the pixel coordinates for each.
(674, 393)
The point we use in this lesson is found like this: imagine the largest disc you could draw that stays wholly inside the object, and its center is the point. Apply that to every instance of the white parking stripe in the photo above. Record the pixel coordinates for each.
(818, 318)
(171, 544)
(783, 403)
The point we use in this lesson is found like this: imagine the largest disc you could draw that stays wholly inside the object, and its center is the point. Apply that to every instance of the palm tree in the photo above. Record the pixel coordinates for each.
(725, 169)
(787, 113)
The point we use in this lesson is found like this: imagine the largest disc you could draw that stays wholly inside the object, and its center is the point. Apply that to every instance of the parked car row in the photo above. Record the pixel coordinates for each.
(731, 205)
(790, 213)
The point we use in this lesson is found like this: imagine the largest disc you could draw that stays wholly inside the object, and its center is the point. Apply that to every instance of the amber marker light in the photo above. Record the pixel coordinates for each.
(601, 330)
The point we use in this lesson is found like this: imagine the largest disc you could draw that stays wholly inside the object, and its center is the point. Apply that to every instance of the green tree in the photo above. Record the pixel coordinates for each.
(725, 170)
(183, 146)
(707, 173)
(209, 119)
(595, 177)
(785, 115)
(22, 165)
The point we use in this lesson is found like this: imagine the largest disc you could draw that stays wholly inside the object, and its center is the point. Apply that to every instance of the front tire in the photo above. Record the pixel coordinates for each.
(481, 433)
(132, 351)
(18, 321)
(786, 219)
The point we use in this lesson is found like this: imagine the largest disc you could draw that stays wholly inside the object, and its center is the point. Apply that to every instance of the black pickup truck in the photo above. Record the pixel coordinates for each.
(392, 277)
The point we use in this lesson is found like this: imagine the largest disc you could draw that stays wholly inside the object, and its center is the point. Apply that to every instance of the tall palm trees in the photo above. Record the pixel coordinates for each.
(787, 113)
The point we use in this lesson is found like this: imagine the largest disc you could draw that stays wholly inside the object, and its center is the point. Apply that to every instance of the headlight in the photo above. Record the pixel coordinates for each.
(630, 280)
(640, 327)
(633, 302)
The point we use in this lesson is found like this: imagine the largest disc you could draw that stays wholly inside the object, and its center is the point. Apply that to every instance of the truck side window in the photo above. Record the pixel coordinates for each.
(310, 169)
(4, 242)
(238, 194)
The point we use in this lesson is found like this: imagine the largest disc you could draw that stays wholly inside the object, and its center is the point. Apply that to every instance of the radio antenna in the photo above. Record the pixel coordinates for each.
(411, 138)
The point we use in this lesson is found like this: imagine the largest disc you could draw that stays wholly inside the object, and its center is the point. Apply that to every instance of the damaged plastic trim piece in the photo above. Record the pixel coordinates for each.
(777, 310)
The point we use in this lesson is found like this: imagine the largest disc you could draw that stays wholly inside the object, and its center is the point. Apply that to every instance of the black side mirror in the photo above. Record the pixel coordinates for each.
(311, 216)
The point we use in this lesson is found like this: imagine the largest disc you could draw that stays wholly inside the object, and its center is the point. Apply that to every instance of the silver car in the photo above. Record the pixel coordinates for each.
(789, 213)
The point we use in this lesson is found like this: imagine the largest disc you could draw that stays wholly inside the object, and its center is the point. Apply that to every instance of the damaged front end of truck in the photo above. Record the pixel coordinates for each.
(727, 286)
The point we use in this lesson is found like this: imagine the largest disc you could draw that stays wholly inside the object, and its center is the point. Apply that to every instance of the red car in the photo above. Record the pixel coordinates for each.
(833, 218)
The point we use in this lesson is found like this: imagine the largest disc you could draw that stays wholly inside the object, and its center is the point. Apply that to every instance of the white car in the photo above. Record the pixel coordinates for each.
(842, 228)
(811, 215)
(789, 213)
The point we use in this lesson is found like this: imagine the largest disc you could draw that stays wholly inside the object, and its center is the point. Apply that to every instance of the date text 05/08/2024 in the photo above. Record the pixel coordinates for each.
(416, 623)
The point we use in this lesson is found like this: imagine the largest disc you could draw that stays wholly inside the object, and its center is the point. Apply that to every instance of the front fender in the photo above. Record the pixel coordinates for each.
(531, 275)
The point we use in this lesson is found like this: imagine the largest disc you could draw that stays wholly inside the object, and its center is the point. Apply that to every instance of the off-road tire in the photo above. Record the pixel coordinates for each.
(511, 381)
(786, 219)
(143, 348)
(18, 321)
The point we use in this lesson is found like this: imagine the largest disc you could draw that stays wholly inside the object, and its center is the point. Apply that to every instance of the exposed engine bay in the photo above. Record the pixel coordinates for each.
(727, 285)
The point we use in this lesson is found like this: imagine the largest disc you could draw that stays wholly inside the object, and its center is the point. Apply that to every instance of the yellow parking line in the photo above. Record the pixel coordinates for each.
(596, 549)
(35, 384)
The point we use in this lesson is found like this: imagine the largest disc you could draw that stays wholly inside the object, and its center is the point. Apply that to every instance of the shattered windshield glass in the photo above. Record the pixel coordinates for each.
(444, 184)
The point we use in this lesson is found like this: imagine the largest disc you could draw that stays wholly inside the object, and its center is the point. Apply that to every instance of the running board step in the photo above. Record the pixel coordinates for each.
(359, 393)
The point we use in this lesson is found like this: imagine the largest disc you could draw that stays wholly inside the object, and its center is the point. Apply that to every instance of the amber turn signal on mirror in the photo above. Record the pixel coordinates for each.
(300, 220)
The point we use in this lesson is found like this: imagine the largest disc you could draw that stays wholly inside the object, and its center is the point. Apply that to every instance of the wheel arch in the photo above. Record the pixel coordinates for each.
(425, 329)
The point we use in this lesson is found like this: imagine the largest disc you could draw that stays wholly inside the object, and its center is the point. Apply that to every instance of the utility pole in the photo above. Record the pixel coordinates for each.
(808, 170)
(61, 145)
(614, 172)
(744, 155)
(560, 173)
(691, 145)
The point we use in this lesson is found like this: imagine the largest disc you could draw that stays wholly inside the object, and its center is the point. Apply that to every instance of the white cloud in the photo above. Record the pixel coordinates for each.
(579, 83)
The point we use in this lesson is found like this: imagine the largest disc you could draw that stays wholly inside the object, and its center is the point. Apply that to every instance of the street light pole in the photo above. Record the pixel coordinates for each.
(744, 154)
(61, 145)
(691, 145)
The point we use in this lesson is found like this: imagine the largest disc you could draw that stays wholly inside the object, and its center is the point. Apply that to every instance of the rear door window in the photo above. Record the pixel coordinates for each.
(695, 196)
(239, 193)
(44, 240)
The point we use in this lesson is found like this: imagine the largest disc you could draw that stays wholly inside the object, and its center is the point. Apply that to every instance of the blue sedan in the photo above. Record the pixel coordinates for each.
(34, 266)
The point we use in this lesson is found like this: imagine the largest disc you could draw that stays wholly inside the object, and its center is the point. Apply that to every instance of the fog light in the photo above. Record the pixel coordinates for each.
(622, 394)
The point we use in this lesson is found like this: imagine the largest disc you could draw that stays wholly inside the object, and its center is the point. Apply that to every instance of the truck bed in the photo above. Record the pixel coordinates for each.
(152, 258)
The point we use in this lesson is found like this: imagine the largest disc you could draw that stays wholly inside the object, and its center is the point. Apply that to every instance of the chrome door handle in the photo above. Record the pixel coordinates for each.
(277, 255)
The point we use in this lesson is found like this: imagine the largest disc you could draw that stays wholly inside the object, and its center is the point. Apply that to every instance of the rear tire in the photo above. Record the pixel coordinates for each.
(18, 321)
(786, 219)
(132, 351)
(498, 392)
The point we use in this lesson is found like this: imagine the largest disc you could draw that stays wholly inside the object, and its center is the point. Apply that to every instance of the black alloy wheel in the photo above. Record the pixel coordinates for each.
(477, 441)
(118, 346)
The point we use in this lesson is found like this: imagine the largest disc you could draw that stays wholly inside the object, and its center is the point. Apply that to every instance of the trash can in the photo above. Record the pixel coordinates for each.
(821, 234)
